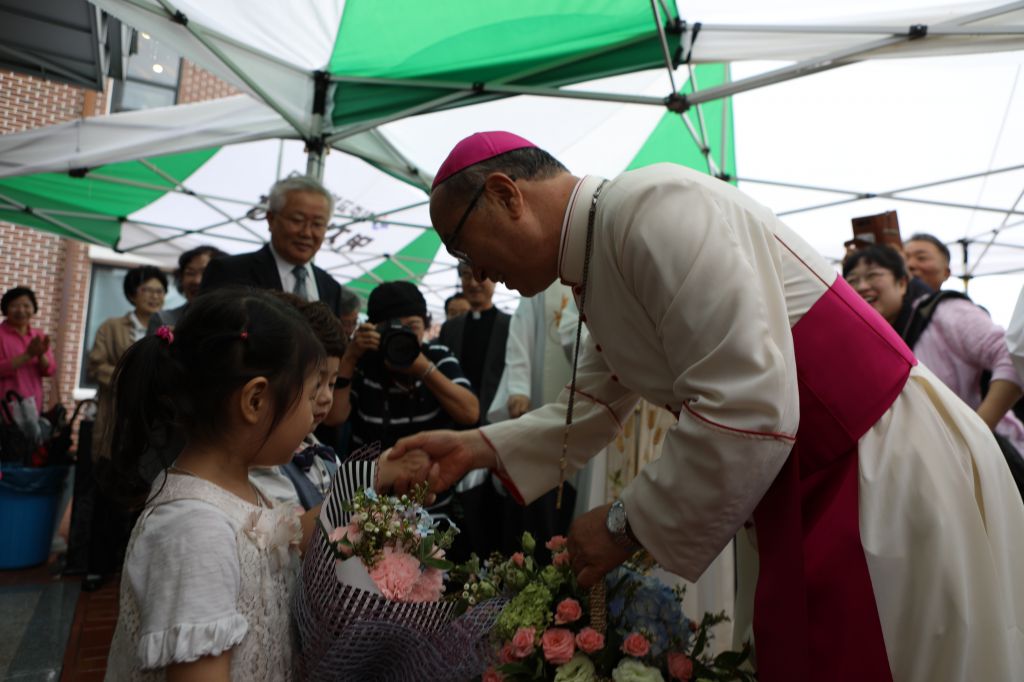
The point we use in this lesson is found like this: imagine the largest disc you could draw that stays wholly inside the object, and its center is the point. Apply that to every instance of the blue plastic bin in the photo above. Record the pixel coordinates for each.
(28, 505)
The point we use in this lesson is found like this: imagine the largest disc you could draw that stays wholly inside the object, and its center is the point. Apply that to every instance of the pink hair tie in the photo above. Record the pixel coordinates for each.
(244, 335)
(164, 332)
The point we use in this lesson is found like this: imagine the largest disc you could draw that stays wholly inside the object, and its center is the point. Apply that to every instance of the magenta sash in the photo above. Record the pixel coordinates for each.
(815, 616)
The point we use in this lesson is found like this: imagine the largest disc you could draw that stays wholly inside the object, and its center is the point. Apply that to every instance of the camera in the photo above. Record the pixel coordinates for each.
(399, 345)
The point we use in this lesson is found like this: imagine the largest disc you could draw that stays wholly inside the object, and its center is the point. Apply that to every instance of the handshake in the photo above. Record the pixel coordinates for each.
(441, 458)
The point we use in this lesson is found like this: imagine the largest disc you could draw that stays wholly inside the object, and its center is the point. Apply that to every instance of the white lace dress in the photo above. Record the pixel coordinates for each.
(207, 572)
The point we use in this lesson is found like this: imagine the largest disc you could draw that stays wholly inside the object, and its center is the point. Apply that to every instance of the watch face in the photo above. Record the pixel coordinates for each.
(616, 520)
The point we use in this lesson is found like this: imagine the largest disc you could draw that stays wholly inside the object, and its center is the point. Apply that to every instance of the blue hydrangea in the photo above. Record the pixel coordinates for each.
(641, 603)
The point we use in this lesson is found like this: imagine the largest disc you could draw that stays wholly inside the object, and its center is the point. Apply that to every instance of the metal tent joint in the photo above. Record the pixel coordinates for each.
(321, 81)
(917, 31)
(180, 17)
(78, 172)
(677, 103)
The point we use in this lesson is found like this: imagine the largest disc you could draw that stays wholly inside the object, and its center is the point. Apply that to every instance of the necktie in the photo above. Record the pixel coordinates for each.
(300, 289)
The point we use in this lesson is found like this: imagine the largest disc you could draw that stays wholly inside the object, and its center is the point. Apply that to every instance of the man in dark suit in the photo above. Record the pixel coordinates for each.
(298, 213)
(478, 338)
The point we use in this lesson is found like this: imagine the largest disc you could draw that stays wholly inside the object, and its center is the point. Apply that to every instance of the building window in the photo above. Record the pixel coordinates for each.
(151, 80)
(106, 300)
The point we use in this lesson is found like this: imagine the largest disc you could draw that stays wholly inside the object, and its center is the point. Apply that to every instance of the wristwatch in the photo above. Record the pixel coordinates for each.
(618, 526)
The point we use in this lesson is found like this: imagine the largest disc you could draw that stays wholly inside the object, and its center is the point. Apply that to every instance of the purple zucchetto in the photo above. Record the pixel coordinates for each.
(476, 148)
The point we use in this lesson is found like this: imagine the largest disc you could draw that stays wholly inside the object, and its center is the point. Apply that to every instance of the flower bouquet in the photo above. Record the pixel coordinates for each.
(371, 601)
(629, 628)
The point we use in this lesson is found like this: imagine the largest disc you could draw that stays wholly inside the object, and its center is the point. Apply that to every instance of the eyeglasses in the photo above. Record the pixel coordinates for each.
(871, 277)
(300, 221)
(452, 241)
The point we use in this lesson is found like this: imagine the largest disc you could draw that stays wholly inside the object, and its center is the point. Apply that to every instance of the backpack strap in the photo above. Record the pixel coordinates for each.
(924, 309)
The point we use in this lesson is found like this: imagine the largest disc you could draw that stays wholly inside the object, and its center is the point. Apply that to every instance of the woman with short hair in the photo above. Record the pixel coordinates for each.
(25, 355)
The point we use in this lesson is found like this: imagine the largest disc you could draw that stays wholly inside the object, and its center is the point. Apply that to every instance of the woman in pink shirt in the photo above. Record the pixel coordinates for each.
(25, 356)
(958, 342)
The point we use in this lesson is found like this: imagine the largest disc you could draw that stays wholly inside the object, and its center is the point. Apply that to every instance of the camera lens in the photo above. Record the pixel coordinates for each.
(399, 345)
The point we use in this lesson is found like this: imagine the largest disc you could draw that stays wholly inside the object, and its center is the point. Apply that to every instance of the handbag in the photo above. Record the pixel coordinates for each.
(15, 445)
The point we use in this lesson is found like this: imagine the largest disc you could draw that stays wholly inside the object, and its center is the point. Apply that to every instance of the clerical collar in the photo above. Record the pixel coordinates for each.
(572, 248)
(480, 314)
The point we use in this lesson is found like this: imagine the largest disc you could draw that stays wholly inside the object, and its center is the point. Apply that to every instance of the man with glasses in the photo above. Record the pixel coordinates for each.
(887, 524)
(298, 214)
(189, 279)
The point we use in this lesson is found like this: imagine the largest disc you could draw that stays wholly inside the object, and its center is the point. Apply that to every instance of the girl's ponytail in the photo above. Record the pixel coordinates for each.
(145, 383)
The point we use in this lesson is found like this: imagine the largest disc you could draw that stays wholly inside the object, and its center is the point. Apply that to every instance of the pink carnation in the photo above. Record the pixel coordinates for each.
(395, 574)
(568, 611)
(492, 675)
(560, 559)
(338, 534)
(522, 642)
(429, 587)
(556, 543)
(558, 645)
(518, 559)
(680, 667)
(589, 640)
(636, 645)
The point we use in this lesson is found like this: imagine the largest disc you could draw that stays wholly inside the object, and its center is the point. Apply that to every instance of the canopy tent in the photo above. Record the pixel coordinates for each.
(333, 68)
(70, 41)
(113, 180)
(330, 70)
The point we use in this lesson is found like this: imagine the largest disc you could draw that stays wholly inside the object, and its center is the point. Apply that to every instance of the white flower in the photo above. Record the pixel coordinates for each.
(275, 533)
(578, 669)
(632, 670)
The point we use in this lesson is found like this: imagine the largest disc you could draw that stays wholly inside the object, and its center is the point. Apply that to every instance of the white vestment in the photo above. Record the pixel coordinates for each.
(692, 292)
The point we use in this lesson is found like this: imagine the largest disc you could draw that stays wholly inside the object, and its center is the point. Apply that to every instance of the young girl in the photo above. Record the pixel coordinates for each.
(206, 584)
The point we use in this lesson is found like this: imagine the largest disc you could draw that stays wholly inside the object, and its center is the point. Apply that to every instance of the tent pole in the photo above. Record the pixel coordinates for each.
(316, 145)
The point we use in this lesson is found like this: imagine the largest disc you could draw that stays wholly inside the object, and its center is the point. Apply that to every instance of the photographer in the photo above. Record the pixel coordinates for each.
(398, 385)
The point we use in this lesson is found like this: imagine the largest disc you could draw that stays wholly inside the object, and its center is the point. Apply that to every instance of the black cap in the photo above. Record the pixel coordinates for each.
(395, 299)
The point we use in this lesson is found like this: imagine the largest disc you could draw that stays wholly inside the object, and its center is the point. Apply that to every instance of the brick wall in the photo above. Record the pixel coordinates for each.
(199, 85)
(58, 269)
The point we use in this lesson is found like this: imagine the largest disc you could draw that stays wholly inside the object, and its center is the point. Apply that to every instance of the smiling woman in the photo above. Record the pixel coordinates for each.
(956, 340)
(25, 356)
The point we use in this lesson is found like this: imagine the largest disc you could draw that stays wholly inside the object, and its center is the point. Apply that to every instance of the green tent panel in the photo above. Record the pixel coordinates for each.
(99, 203)
(415, 258)
(671, 141)
(535, 42)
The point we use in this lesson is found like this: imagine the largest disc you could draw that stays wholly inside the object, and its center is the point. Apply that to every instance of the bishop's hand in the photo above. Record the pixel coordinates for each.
(454, 453)
(593, 552)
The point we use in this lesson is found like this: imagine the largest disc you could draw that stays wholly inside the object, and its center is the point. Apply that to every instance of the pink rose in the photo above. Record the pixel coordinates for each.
(338, 534)
(518, 559)
(395, 574)
(492, 675)
(680, 667)
(558, 645)
(589, 640)
(568, 611)
(506, 655)
(522, 642)
(556, 543)
(560, 559)
(636, 645)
